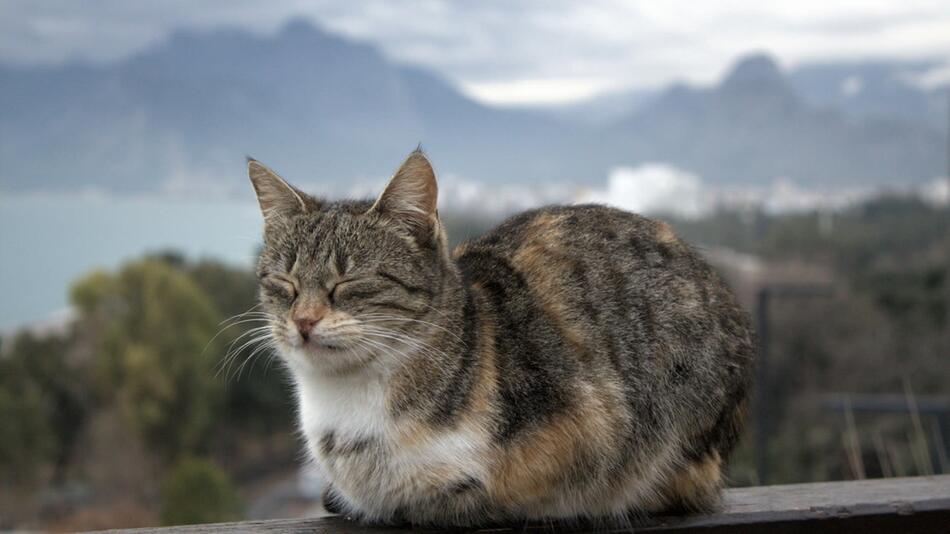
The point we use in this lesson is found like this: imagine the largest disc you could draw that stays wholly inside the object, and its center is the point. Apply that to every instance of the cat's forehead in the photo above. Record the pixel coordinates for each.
(334, 240)
(322, 234)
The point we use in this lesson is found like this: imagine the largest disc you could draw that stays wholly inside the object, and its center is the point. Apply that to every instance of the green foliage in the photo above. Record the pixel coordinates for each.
(231, 290)
(151, 327)
(42, 406)
(26, 435)
(154, 325)
(92, 292)
(195, 491)
(141, 356)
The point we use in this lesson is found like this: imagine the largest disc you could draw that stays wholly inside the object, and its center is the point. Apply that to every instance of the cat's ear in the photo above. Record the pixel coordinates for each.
(410, 198)
(276, 197)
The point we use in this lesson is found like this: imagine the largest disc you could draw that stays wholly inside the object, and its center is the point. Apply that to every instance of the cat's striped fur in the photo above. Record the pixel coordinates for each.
(573, 362)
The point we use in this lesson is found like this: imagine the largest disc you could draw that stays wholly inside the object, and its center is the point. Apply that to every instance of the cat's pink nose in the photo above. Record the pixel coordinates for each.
(306, 320)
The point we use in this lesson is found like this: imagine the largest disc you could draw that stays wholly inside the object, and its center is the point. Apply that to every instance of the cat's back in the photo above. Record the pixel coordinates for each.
(608, 273)
(557, 248)
(592, 298)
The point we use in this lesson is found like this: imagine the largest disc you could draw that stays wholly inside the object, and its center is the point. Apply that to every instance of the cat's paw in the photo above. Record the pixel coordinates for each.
(332, 502)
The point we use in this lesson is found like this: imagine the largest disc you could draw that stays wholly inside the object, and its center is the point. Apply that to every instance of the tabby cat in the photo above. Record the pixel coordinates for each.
(574, 362)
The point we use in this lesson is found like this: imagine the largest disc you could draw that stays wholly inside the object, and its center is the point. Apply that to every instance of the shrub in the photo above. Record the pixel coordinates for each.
(195, 491)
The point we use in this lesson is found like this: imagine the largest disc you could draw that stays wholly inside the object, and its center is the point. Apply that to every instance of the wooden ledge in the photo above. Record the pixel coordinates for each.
(901, 505)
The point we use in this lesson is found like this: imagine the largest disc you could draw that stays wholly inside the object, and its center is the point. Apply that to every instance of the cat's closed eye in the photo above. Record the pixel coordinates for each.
(353, 289)
(280, 286)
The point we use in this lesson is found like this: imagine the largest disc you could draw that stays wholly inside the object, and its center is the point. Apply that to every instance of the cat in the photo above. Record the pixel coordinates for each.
(574, 362)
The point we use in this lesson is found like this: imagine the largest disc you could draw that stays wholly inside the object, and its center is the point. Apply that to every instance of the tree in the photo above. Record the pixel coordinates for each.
(27, 441)
(196, 491)
(42, 405)
(155, 324)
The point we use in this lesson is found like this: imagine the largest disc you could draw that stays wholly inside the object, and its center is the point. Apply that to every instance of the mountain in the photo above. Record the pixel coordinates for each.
(754, 127)
(891, 89)
(877, 89)
(328, 112)
(321, 109)
(602, 108)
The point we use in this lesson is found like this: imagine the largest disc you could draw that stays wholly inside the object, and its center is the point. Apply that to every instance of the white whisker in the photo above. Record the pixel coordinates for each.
(382, 318)
(232, 354)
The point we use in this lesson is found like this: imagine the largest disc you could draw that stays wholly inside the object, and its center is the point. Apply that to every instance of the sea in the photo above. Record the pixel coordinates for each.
(49, 240)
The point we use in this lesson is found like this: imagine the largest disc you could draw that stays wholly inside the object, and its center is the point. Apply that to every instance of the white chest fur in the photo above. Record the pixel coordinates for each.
(397, 470)
(353, 407)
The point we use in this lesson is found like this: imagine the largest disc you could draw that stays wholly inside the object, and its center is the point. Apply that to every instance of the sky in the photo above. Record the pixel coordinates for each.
(511, 52)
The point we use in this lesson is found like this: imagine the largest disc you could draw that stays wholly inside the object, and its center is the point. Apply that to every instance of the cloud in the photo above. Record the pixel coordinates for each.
(537, 91)
(934, 76)
(496, 49)
(653, 188)
(663, 189)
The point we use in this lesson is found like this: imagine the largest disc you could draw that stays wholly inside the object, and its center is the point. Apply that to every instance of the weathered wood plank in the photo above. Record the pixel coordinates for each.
(904, 505)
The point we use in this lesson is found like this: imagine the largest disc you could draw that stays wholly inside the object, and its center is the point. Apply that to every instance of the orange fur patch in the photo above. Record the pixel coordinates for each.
(459, 249)
(543, 263)
(528, 470)
(485, 386)
(698, 482)
(665, 234)
(412, 433)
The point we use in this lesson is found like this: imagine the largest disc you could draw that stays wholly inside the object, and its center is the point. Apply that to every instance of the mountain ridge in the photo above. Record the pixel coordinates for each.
(328, 111)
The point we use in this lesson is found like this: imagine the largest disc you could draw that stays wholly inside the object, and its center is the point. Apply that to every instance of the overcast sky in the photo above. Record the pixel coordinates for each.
(509, 51)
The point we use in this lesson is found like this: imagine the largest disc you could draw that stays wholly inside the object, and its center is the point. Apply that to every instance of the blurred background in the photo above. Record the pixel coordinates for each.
(802, 146)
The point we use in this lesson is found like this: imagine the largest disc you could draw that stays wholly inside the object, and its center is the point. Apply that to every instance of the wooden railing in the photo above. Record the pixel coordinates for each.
(894, 505)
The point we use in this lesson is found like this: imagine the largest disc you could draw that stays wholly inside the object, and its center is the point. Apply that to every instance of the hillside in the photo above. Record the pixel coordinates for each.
(754, 126)
(329, 112)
